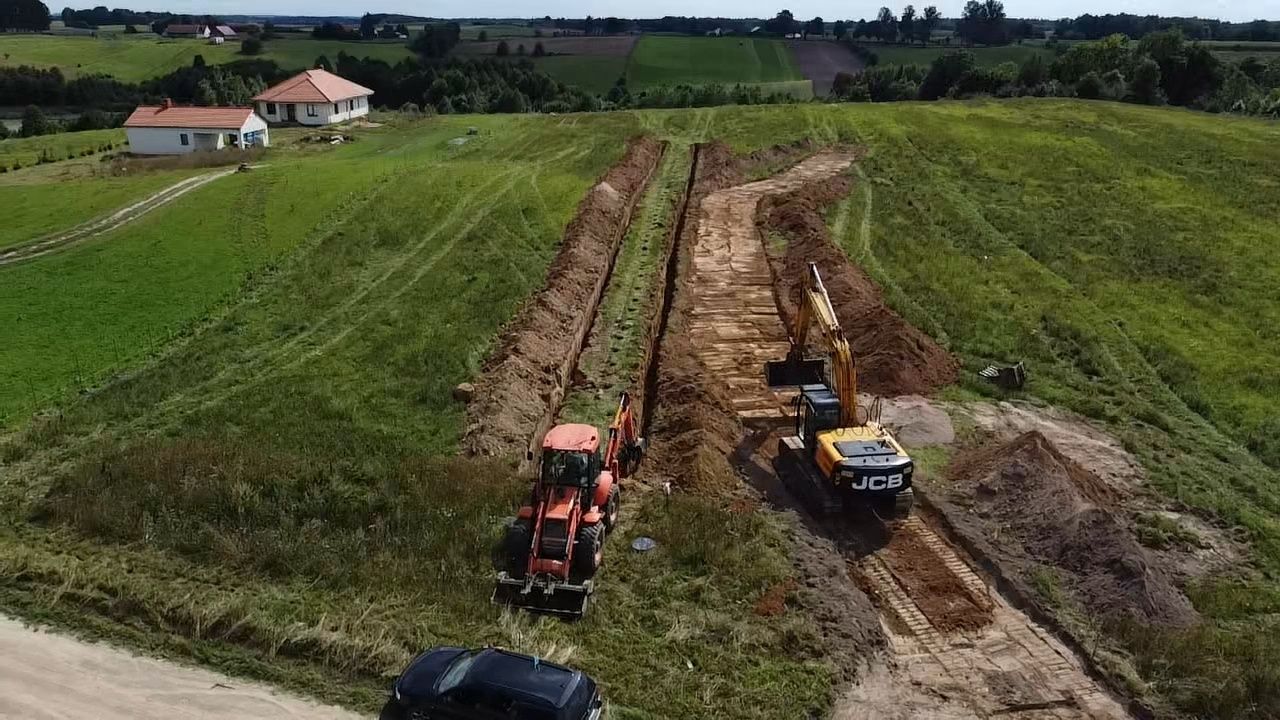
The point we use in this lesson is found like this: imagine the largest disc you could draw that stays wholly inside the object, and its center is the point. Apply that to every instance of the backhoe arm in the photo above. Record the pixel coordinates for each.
(817, 310)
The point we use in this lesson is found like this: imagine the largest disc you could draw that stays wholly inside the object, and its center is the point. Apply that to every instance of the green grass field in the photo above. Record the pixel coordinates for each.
(132, 58)
(272, 468)
(493, 32)
(986, 56)
(669, 60)
(593, 73)
(25, 152)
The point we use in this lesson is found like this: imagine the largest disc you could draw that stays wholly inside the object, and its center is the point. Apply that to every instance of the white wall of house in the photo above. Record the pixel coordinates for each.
(177, 141)
(316, 113)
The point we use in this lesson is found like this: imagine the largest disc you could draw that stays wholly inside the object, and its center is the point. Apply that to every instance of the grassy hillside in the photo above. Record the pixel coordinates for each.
(671, 60)
(25, 152)
(274, 479)
(133, 58)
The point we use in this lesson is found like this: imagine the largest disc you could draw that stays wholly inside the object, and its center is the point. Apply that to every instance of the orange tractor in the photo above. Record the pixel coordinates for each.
(554, 547)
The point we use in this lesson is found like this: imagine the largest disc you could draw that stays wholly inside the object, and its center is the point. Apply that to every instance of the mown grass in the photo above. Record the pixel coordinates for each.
(274, 480)
(593, 73)
(670, 60)
(133, 58)
(16, 153)
(493, 32)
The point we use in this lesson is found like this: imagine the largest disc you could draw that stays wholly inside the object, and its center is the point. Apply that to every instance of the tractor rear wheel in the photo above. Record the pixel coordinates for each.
(588, 549)
(516, 548)
(611, 507)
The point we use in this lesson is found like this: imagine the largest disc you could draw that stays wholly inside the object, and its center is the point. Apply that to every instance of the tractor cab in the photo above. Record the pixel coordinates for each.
(571, 456)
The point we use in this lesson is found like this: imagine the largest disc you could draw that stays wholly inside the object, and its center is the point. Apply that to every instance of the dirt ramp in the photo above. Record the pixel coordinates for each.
(894, 357)
(519, 390)
(1034, 505)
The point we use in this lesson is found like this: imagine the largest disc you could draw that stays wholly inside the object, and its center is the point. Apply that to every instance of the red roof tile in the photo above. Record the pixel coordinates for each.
(313, 86)
(189, 117)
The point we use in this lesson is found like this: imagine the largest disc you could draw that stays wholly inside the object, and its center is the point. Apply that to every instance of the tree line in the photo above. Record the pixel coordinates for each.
(23, 15)
(1161, 68)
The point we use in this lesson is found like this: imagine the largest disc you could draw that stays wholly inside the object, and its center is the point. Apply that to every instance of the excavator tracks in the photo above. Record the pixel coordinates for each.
(957, 649)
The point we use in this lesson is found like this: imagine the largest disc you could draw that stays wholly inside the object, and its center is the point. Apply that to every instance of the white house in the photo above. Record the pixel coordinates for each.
(202, 32)
(314, 97)
(170, 130)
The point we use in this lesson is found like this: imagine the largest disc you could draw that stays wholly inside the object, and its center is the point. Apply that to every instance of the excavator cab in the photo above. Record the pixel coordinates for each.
(570, 467)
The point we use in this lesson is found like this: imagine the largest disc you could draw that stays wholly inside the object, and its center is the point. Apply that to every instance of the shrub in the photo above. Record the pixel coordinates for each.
(410, 109)
(1145, 87)
(251, 46)
(503, 49)
(538, 50)
(1089, 86)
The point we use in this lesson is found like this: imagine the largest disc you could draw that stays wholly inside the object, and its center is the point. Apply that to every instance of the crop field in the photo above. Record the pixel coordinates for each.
(133, 58)
(267, 436)
(663, 60)
(472, 32)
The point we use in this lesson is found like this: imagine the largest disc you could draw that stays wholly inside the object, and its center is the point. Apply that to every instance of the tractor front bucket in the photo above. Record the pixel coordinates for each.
(794, 371)
(543, 595)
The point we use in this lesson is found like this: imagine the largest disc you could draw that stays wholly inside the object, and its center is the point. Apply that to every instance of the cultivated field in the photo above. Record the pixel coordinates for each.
(25, 152)
(988, 56)
(670, 60)
(592, 63)
(133, 58)
(276, 462)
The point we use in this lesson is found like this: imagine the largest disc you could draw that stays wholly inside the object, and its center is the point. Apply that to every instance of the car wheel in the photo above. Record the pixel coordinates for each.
(393, 710)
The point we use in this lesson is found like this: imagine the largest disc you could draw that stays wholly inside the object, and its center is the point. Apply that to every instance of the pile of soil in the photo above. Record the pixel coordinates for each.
(1030, 505)
(519, 390)
(894, 357)
(936, 590)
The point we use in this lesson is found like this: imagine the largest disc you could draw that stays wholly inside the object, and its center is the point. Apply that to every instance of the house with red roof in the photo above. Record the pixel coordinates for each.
(313, 97)
(168, 129)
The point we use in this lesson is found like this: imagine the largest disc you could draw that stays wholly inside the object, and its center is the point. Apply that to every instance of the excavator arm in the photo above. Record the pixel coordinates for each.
(817, 311)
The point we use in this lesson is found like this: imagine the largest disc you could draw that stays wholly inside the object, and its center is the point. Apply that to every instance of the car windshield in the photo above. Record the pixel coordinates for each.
(565, 468)
(456, 672)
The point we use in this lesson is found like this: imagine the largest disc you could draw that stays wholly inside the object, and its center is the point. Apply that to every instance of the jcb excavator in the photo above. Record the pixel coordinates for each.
(555, 545)
(839, 457)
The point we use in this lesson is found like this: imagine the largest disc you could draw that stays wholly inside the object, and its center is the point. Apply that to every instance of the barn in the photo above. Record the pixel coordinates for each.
(171, 130)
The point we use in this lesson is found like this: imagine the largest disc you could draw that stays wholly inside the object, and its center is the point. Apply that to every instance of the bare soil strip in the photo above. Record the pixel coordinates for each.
(524, 381)
(956, 647)
(105, 224)
(44, 676)
(820, 60)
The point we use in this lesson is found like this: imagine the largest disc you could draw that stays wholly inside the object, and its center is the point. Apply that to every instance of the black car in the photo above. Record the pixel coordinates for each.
(490, 684)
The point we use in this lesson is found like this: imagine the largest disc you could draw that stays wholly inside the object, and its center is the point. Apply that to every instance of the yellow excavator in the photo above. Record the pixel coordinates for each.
(840, 457)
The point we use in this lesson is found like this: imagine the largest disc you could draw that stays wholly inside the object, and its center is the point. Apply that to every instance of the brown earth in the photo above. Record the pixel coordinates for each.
(938, 592)
(1033, 506)
(893, 356)
(520, 387)
(821, 60)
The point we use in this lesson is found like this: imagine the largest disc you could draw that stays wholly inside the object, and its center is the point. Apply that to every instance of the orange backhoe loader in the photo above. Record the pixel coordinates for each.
(554, 547)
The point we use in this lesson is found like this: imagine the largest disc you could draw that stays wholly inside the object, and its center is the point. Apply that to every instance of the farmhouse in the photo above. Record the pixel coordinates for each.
(314, 97)
(203, 32)
(169, 130)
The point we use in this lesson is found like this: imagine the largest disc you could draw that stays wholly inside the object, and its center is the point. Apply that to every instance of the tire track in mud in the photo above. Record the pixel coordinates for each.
(956, 647)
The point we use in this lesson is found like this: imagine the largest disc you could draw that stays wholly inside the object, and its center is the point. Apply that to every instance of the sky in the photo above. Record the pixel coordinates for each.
(1236, 11)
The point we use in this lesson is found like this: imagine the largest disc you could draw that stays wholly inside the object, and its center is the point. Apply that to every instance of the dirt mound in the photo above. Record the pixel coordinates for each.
(894, 357)
(519, 390)
(1033, 503)
(940, 595)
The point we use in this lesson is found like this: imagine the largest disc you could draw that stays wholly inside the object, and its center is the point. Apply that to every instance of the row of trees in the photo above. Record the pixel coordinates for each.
(1096, 27)
(1160, 68)
(887, 27)
(503, 49)
(36, 122)
(25, 15)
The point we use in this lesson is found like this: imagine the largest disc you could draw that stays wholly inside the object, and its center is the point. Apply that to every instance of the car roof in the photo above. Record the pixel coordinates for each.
(531, 678)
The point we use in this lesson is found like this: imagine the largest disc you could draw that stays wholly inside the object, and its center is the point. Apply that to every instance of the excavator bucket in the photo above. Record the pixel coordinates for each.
(543, 596)
(794, 371)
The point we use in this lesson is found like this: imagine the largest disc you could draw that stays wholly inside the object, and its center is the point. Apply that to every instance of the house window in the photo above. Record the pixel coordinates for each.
(232, 139)
(351, 105)
(271, 108)
(311, 110)
(335, 108)
(182, 138)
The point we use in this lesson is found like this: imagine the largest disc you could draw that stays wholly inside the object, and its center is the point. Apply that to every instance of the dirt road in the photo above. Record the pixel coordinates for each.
(957, 649)
(820, 60)
(44, 676)
(60, 241)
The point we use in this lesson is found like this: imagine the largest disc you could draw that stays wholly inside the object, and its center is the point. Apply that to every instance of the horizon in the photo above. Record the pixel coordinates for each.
(826, 9)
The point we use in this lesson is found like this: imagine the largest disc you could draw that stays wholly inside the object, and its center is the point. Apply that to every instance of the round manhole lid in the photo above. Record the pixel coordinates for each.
(643, 544)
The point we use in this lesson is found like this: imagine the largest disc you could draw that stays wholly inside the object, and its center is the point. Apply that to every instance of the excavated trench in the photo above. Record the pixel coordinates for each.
(911, 628)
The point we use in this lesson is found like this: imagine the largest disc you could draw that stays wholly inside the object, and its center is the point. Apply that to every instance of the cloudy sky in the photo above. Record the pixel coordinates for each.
(1242, 10)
